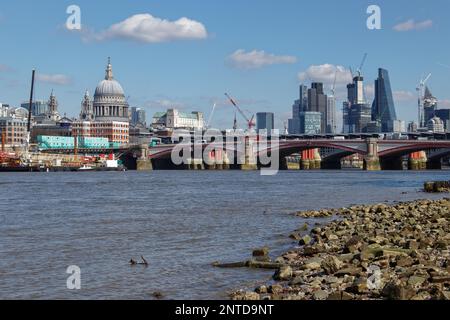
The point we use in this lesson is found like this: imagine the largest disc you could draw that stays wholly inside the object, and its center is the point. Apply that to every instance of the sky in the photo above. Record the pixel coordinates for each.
(187, 53)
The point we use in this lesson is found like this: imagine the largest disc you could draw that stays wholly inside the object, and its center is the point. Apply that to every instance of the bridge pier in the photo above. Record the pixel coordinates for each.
(144, 163)
(417, 161)
(372, 160)
(250, 157)
(311, 159)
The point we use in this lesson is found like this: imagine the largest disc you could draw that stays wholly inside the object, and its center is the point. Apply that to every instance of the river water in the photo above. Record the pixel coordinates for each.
(180, 221)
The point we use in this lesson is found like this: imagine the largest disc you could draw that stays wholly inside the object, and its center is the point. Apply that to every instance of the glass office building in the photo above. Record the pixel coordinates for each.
(383, 107)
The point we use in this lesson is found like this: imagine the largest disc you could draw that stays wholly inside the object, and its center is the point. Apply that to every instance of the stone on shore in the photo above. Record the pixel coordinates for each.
(399, 252)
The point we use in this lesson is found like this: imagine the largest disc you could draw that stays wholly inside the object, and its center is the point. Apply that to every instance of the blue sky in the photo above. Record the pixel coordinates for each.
(160, 66)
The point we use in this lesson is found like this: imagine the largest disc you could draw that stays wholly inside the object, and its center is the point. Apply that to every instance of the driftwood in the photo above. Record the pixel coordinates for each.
(143, 263)
(255, 264)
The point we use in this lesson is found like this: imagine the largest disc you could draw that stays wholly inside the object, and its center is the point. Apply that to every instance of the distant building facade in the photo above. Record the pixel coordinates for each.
(311, 122)
(436, 125)
(444, 115)
(38, 107)
(115, 131)
(138, 116)
(312, 100)
(174, 119)
(14, 130)
(356, 112)
(265, 120)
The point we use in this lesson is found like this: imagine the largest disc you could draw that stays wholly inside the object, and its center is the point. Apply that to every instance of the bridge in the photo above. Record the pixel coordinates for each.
(377, 154)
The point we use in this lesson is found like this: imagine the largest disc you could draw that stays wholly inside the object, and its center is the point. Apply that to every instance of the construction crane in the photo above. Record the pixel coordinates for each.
(359, 70)
(250, 122)
(333, 96)
(235, 125)
(421, 92)
(208, 124)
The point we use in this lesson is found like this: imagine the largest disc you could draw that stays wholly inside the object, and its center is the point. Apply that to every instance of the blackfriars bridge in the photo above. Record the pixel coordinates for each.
(376, 154)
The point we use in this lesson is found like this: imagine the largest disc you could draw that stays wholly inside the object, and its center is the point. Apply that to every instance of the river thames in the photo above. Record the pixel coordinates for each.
(180, 221)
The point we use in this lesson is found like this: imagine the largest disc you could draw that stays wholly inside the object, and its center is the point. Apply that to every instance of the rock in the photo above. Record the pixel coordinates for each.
(256, 264)
(444, 295)
(261, 252)
(250, 296)
(390, 252)
(335, 296)
(405, 261)
(261, 290)
(395, 291)
(158, 295)
(310, 250)
(424, 295)
(441, 279)
(428, 187)
(412, 244)
(275, 289)
(359, 286)
(351, 271)
(305, 227)
(297, 281)
(305, 240)
(320, 295)
(331, 264)
(312, 264)
(283, 274)
(416, 281)
(353, 245)
(340, 295)
(295, 236)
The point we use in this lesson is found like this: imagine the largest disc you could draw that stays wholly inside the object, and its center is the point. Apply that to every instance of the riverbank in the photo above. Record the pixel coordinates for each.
(380, 251)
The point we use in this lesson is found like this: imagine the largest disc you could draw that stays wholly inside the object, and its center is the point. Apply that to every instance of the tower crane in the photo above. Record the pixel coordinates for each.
(250, 122)
(421, 92)
(208, 124)
(359, 70)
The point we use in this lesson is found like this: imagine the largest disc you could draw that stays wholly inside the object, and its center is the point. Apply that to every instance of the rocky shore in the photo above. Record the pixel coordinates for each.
(377, 251)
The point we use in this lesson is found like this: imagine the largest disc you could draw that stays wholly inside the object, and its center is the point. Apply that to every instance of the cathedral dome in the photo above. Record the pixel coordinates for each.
(109, 86)
(109, 99)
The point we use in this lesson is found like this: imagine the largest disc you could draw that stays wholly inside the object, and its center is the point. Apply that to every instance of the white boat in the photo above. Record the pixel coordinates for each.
(86, 168)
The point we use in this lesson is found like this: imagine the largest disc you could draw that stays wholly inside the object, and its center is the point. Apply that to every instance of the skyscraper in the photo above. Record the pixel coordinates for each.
(138, 116)
(317, 102)
(331, 115)
(383, 107)
(300, 105)
(429, 105)
(356, 111)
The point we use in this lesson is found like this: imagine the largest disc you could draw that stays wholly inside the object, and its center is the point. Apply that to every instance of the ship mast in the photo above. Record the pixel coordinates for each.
(30, 109)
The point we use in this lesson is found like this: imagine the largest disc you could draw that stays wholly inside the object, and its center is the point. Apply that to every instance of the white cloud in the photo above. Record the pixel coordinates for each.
(255, 59)
(57, 79)
(403, 96)
(411, 25)
(164, 104)
(5, 68)
(325, 73)
(149, 29)
(444, 103)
